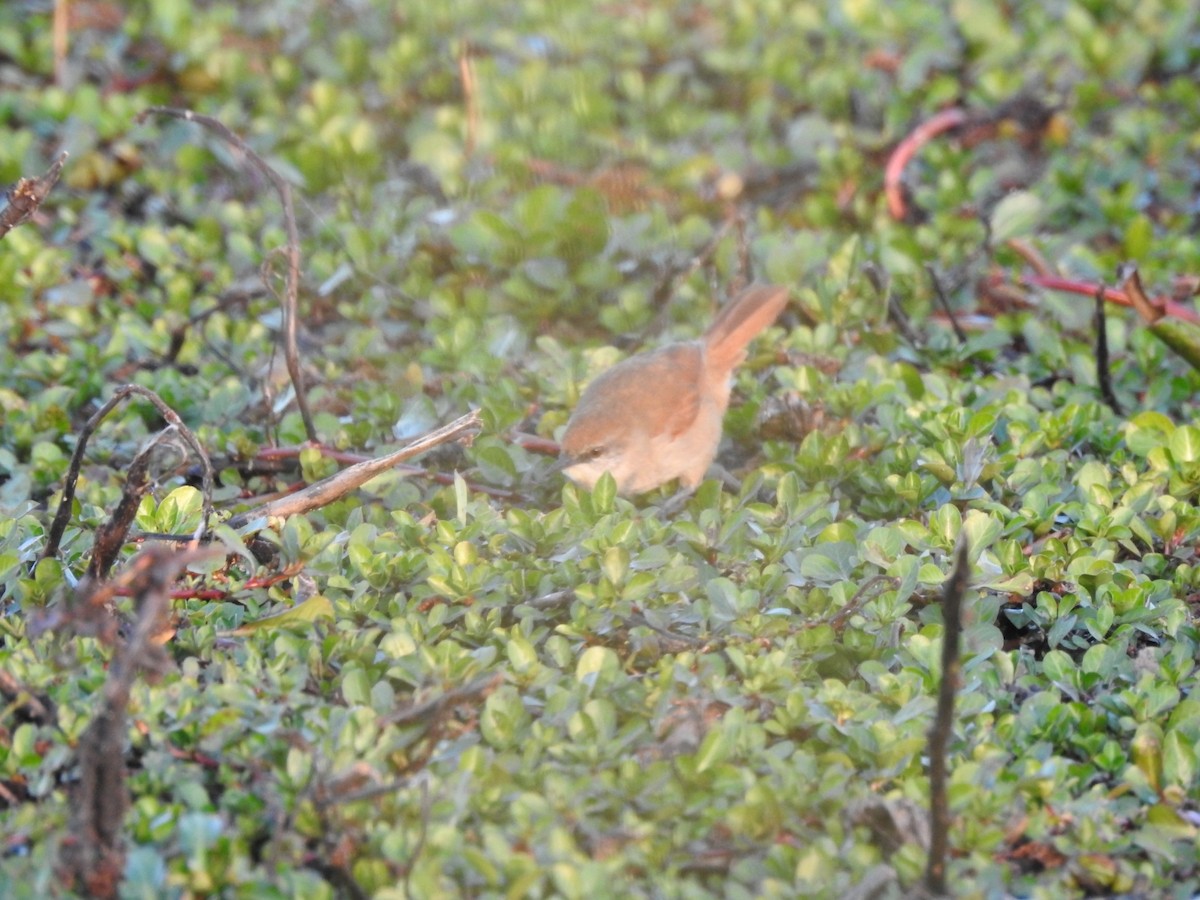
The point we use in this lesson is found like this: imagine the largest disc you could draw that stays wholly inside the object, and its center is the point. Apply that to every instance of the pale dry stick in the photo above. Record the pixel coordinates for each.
(291, 355)
(466, 73)
(341, 483)
(60, 32)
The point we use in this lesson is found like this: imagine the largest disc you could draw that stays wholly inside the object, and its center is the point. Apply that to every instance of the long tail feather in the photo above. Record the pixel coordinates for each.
(735, 326)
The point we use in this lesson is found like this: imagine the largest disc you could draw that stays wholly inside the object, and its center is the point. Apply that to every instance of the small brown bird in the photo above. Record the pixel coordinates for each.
(657, 415)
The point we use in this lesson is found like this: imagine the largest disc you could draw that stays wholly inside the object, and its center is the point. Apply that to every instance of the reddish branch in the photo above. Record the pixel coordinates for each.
(1112, 295)
(893, 175)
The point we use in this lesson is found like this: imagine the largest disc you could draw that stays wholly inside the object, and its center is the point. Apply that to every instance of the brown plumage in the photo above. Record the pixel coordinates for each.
(657, 416)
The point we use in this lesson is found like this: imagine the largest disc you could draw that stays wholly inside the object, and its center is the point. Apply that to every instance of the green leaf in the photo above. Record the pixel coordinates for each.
(714, 749)
(1185, 444)
(604, 494)
(1178, 760)
(1146, 748)
(596, 663)
(1016, 215)
(306, 613)
(179, 511)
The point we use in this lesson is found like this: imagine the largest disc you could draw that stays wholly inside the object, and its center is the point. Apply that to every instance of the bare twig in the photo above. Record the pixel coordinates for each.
(447, 478)
(943, 723)
(28, 194)
(1030, 254)
(893, 175)
(466, 74)
(426, 808)
(92, 857)
(41, 709)
(945, 303)
(866, 592)
(111, 535)
(435, 707)
(1112, 295)
(63, 515)
(553, 600)
(341, 483)
(675, 274)
(1103, 376)
(1135, 294)
(60, 32)
(292, 289)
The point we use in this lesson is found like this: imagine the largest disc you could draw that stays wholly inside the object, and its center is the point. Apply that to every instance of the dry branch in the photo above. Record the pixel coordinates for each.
(943, 723)
(92, 857)
(292, 284)
(27, 195)
(1103, 376)
(63, 515)
(341, 483)
(1112, 295)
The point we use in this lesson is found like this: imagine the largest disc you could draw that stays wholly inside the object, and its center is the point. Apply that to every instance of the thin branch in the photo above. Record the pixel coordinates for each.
(865, 593)
(466, 74)
(446, 478)
(435, 707)
(907, 149)
(292, 288)
(28, 194)
(945, 303)
(1103, 376)
(422, 836)
(41, 709)
(63, 515)
(553, 600)
(341, 483)
(1030, 254)
(677, 274)
(943, 724)
(111, 535)
(92, 858)
(1112, 295)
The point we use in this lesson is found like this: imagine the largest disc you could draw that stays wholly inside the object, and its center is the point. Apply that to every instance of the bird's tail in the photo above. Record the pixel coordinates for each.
(740, 321)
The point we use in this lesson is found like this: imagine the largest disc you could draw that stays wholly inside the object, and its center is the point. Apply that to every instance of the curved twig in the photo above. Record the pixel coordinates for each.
(63, 515)
(893, 174)
(292, 290)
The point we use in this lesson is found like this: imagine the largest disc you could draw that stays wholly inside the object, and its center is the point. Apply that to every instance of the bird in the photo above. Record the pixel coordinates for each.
(657, 416)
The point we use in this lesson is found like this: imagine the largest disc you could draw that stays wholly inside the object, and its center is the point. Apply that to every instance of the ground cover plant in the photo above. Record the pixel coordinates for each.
(456, 675)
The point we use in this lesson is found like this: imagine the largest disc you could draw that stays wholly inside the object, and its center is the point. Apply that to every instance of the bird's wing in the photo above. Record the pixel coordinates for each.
(662, 386)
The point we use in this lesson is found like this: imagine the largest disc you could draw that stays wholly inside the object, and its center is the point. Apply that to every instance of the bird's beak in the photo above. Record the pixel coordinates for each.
(563, 462)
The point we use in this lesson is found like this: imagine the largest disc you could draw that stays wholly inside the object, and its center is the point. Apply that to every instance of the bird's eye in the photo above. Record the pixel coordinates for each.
(595, 453)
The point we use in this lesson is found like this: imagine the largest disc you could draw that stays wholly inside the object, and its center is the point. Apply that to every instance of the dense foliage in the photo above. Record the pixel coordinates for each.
(541, 691)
